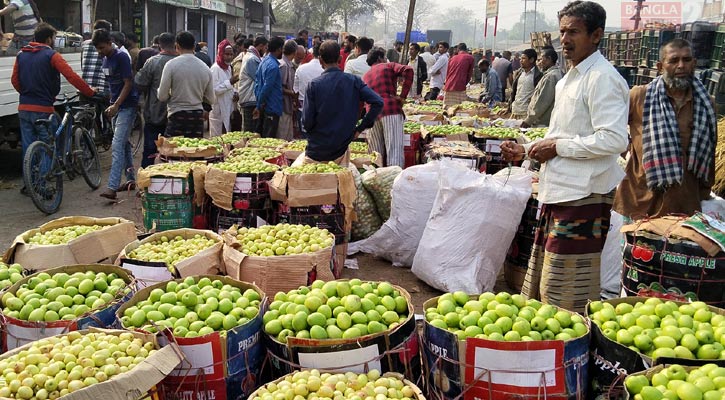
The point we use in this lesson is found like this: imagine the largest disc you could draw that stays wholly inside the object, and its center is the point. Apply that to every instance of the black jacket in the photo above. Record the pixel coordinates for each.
(537, 77)
(422, 75)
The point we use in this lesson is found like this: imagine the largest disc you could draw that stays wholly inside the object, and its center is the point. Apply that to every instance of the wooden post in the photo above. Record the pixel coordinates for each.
(408, 28)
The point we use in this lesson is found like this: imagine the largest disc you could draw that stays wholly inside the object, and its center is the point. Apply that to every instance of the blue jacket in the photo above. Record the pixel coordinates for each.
(331, 110)
(268, 86)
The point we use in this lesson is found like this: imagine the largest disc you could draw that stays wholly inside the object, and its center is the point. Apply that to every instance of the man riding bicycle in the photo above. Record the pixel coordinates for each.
(36, 76)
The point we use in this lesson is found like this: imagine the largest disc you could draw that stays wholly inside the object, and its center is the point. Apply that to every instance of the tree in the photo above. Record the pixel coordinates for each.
(322, 14)
(542, 25)
(398, 14)
(460, 21)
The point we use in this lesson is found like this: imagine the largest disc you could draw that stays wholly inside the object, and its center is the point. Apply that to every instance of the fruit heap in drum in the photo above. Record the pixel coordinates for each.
(660, 328)
(9, 274)
(311, 384)
(49, 298)
(503, 317)
(256, 153)
(329, 167)
(283, 239)
(675, 382)
(171, 250)
(358, 147)
(334, 310)
(245, 166)
(193, 307)
(62, 235)
(59, 365)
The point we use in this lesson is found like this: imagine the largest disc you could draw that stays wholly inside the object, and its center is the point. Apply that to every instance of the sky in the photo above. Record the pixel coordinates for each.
(510, 10)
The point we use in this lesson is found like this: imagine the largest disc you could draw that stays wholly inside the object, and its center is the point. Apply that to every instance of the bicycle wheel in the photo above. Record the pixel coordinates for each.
(85, 158)
(43, 183)
(137, 135)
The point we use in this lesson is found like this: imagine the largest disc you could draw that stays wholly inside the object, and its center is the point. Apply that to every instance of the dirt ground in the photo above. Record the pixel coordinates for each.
(19, 214)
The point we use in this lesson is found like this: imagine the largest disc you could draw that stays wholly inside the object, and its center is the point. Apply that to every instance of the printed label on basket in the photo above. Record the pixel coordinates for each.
(168, 186)
(243, 184)
(148, 275)
(356, 358)
(18, 336)
(493, 146)
(514, 367)
(406, 139)
(199, 356)
(193, 390)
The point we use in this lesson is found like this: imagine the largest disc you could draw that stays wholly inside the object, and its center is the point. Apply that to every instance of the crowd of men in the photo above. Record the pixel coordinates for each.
(281, 88)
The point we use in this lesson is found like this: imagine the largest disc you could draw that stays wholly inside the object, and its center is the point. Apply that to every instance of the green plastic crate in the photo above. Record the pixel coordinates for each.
(167, 212)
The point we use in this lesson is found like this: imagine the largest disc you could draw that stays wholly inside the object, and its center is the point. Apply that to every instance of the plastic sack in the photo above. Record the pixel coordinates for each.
(611, 259)
(470, 228)
(414, 192)
(379, 182)
(368, 220)
(715, 206)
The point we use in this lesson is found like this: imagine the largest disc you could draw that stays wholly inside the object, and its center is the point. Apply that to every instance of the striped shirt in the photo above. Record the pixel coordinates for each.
(92, 66)
(24, 18)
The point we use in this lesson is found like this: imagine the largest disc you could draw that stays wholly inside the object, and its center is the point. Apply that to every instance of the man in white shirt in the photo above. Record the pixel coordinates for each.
(359, 66)
(428, 57)
(579, 173)
(305, 74)
(525, 81)
(438, 72)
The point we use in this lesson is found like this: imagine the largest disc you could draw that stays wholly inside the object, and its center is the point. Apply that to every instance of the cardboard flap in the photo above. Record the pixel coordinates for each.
(671, 226)
(312, 189)
(168, 149)
(199, 175)
(278, 186)
(219, 185)
(107, 242)
(144, 175)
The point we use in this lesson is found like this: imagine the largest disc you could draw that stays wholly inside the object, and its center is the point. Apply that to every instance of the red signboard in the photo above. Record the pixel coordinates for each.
(659, 13)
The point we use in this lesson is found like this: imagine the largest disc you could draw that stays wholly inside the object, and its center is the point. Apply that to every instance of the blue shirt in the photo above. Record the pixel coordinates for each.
(268, 86)
(331, 110)
(117, 67)
(492, 86)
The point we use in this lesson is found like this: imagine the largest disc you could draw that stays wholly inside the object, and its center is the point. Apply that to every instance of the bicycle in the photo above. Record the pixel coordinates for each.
(99, 125)
(70, 150)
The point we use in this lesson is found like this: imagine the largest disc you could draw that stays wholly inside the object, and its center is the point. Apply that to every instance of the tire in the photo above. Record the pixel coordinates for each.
(87, 122)
(45, 188)
(137, 133)
(86, 159)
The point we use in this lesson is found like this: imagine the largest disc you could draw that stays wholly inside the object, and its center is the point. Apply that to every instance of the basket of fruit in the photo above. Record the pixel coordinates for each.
(63, 299)
(178, 252)
(677, 381)
(278, 257)
(632, 333)
(88, 364)
(269, 143)
(237, 139)
(256, 153)
(441, 133)
(10, 274)
(71, 240)
(314, 184)
(171, 178)
(322, 384)
(179, 148)
(501, 345)
(343, 325)
(293, 149)
(216, 313)
(461, 151)
(239, 183)
(471, 109)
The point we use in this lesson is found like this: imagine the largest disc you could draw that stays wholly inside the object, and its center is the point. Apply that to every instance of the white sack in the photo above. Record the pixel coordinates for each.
(470, 228)
(611, 259)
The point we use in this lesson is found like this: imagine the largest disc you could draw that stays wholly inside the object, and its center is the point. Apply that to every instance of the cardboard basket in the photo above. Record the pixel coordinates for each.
(205, 262)
(187, 182)
(226, 187)
(132, 384)
(612, 362)
(487, 369)
(17, 333)
(215, 356)
(101, 246)
(393, 350)
(171, 151)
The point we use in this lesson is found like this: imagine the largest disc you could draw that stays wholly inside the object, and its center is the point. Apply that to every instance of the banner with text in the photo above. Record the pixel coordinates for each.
(653, 15)
(491, 8)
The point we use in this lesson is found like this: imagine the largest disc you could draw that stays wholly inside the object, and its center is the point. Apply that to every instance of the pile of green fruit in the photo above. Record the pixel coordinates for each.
(283, 240)
(160, 169)
(427, 108)
(444, 130)
(56, 366)
(675, 382)
(536, 133)
(298, 145)
(62, 296)
(62, 235)
(271, 143)
(311, 384)
(370, 156)
(501, 133)
(660, 328)
(253, 153)
(323, 168)
(181, 141)
(193, 307)
(245, 166)
(503, 317)
(469, 105)
(358, 147)
(411, 127)
(335, 310)
(9, 274)
(236, 136)
(171, 250)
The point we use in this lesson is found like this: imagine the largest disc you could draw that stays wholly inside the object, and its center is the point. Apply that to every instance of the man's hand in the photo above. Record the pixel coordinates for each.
(512, 151)
(234, 79)
(235, 98)
(112, 111)
(256, 113)
(400, 100)
(543, 150)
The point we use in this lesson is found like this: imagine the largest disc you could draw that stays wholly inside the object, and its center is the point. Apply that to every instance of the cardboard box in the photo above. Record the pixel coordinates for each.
(186, 181)
(222, 186)
(487, 369)
(101, 246)
(169, 149)
(205, 262)
(132, 384)
(215, 356)
(18, 333)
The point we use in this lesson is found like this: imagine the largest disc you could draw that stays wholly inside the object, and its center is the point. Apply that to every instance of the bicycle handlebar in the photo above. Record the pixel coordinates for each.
(65, 99)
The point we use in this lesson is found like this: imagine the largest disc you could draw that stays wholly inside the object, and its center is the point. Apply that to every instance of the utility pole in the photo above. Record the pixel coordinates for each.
(475, 25)
(408, 28)
(536, 14)
(267, 19)
(523, 36)
(638, 8)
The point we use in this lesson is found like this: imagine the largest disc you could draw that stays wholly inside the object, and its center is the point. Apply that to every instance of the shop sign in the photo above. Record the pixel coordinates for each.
(180, 3)
(652, 13)
(491, 8)
(214, 5)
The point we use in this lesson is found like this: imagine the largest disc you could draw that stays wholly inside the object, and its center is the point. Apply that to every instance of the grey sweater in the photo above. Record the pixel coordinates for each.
(186, 82)
(148, 79)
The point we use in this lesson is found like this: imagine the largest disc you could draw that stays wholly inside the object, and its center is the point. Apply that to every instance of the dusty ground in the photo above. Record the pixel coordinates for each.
(19, 214)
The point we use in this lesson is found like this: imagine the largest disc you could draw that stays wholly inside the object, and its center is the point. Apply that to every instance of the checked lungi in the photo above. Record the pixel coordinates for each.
(454, 98)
